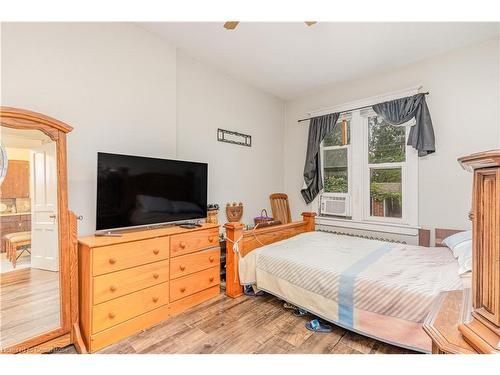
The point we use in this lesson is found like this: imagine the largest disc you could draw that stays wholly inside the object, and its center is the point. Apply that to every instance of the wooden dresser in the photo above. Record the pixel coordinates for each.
(135, 281)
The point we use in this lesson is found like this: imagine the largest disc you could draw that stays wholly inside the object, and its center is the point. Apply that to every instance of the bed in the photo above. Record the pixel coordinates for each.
(379, 289)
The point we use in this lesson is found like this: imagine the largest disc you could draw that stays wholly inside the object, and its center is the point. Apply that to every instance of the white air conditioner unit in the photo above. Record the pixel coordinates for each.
(336, 204)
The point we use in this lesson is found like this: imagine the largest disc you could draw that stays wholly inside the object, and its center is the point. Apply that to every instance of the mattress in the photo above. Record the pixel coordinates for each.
(379, 289)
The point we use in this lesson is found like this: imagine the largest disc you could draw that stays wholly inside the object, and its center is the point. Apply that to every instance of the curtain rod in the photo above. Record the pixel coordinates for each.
(350, 110)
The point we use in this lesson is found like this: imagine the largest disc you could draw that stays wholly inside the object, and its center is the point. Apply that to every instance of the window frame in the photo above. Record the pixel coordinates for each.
(409, 177)
(359, 174)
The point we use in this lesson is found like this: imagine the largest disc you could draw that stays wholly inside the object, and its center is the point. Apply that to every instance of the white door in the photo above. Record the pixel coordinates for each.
(44, 215)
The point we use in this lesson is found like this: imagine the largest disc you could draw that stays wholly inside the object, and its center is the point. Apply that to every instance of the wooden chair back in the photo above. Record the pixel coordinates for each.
(280, 207)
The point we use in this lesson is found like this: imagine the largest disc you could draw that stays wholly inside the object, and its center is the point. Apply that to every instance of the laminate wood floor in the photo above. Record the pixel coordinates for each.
(245, 325)
(29, 304)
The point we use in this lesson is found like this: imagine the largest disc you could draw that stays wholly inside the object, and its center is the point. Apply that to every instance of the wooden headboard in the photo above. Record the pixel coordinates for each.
(441, 234)
(424, 236)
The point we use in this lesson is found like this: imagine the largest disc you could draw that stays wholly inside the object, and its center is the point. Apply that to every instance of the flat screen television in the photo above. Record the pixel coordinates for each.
(136, 191)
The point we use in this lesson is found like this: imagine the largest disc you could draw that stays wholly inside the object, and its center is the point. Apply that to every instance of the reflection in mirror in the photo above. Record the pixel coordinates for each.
(29, 253)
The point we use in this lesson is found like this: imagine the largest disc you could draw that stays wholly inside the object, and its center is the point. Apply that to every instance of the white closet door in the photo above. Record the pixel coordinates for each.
(44, 220)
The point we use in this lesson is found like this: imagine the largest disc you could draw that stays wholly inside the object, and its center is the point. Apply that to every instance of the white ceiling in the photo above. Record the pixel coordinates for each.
(291, 59)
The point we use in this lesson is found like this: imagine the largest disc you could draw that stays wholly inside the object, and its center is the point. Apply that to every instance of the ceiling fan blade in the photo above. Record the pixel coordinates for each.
(231, 25)
(310, 23)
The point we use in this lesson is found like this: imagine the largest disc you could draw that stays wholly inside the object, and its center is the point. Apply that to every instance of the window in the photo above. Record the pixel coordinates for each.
(368, 159)
(340, 135)
(386, 143)
(386, 158)
(385, 192)
(335, 158)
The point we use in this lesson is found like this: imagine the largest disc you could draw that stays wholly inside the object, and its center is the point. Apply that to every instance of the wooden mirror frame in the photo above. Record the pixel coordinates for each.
(68, 332)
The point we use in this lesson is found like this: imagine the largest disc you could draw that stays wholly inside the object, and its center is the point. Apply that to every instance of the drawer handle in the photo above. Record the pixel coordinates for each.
(112, 288)
(155, 275)
(111, 315)
(155, 299)
(211, 278)
(211, 259)
(182, 244)
(183, 290)
(211, 239)
(156, 251)
(182, 268)
(112, 260)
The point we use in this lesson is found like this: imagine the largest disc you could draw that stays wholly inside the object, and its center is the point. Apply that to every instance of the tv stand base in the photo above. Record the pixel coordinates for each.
(107, 234)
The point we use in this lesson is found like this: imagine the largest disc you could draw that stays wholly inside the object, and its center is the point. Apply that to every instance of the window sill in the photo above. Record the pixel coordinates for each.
(394, 228)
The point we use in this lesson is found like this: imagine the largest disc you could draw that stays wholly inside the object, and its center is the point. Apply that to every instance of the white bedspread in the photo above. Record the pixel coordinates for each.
(348, 279)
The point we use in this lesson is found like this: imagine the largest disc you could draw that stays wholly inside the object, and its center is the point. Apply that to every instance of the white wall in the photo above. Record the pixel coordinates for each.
(207, 100)
(114, 83)
(125, 90)
(464, 104)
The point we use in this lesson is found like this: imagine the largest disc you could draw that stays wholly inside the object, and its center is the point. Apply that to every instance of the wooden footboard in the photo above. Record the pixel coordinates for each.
(249, 240)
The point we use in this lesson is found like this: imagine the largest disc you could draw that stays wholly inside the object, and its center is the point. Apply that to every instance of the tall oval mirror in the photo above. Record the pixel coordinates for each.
(30, 297)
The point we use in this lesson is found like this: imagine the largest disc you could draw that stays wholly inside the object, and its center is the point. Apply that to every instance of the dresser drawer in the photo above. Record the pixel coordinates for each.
(120, 331)
(118, 257)
(187, 285)
(194, 262)
(193, 241)
(120, 283)
(120, 309)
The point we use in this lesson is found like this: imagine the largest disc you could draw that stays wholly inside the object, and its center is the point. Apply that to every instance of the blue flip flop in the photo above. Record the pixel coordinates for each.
(299, 312)
(315, 326)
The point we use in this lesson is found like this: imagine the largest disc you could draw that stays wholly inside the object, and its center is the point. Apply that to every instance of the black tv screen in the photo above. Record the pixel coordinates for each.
(134, 191)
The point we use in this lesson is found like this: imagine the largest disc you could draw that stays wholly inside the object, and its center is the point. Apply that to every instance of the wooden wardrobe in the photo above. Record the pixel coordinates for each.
(483, 331)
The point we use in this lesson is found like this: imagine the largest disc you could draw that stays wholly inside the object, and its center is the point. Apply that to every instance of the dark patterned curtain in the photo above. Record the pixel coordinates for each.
(399, 111)
(319, 128)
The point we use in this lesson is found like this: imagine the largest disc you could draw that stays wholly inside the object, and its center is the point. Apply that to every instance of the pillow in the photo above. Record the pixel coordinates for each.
(465, 259)
(461, 248)
(456, 239)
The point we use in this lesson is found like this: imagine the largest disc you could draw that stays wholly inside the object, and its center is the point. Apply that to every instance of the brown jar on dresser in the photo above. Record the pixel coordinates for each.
(135, 281)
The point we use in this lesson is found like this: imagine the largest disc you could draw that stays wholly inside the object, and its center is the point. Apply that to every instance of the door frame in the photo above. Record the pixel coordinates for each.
(68, 332)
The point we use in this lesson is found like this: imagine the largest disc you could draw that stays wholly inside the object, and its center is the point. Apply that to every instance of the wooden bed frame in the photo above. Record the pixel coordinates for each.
(249, 240)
